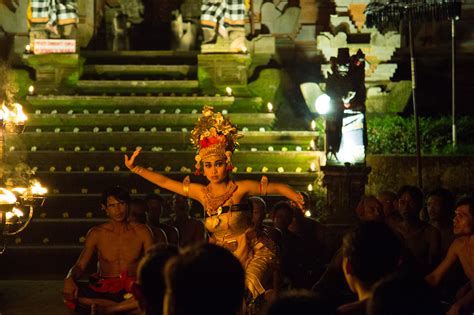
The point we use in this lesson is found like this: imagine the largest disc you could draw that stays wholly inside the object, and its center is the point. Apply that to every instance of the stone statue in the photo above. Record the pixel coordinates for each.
(226, 19)
(53, 19)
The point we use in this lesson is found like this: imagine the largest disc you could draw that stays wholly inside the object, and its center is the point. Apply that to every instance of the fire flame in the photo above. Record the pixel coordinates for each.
(6, 196)
(37, 189)
(16, 116)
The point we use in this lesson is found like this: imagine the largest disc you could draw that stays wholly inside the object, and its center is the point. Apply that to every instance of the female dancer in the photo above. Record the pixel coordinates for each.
(228, 221)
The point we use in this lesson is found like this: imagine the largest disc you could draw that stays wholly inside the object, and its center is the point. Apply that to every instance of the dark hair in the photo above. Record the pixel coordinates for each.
(283, 205)
(117, 192)
(467, 201)
(151, 276)
(155, 197)
(187, 201)
(415, 193)
(373, 251)
(202, 273)
(403, 294)
(259, 200)
(299, 302)
(139, 216)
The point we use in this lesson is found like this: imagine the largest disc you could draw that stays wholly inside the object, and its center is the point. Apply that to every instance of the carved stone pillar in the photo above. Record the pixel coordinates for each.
(55, 72)
(218, 71)
(345, 186)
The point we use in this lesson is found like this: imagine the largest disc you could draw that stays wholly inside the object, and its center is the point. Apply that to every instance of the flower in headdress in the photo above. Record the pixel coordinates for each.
(214, 135)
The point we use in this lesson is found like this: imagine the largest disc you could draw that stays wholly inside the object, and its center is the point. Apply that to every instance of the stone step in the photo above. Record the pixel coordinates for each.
(84, 183)
(164, 161)
(102, 141)
(185, 103)
(57, 231)
(140, 57)
(136, 86)
(171, 71)
(86, 122)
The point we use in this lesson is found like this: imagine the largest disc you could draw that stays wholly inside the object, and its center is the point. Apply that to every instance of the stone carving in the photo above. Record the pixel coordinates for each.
(184, 34)
(379, 50)
(280, 22)
(119, 20)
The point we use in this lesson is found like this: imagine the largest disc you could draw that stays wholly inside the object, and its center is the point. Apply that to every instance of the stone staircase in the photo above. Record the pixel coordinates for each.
(75, 142)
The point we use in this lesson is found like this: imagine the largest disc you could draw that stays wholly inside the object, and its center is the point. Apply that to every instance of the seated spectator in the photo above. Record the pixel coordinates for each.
(389, 202)
(440, 204)
(149, 289)
(370, 252)
(403, 294)
(299, 302)
(138, 214)
(119, 245)
(191, 231)
(420, 238)
(462, 248)
(155, 205)
(259, 208)
(293, 256)
(315, 241)
(204, 279)
(332, 284)
(370, 209)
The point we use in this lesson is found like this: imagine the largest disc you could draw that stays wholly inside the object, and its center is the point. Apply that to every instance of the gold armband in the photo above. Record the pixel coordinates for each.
(137, 169)
(186, 183)
(263, 185)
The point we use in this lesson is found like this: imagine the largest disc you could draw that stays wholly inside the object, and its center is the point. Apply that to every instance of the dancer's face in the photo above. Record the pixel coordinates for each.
(215, 169)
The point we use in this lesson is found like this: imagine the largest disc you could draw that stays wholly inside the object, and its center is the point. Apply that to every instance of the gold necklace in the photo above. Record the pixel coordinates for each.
(215, 202)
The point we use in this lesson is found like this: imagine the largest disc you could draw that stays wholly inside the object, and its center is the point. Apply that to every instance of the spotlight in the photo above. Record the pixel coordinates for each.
(322, 104)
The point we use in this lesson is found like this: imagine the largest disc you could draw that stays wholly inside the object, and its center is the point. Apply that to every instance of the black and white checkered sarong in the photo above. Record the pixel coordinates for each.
(54, 11)
(224, 14)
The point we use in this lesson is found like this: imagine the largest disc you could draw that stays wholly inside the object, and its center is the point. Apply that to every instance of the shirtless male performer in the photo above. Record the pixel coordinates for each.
(462, 248)
(119, 245)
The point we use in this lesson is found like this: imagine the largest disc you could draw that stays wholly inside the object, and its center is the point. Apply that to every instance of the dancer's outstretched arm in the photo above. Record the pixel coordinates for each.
(254, 188)
(192, 190)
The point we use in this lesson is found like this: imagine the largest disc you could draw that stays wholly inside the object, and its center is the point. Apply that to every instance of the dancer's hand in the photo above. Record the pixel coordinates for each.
(299, 203)
(130, 162)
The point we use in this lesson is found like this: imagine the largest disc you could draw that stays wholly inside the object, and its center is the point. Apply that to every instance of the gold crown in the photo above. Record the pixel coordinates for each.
(214, 135)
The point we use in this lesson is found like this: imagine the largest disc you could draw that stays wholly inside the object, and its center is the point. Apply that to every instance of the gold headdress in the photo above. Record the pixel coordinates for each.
(214, 135)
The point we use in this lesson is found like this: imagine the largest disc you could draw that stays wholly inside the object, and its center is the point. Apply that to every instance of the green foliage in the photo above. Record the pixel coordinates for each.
(396, 135)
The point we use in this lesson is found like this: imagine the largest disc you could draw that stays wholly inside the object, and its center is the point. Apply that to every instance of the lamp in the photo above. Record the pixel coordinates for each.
(17, 204)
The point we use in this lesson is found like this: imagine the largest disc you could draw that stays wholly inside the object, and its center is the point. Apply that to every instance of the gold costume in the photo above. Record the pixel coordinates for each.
(229, 224)
(257, 254)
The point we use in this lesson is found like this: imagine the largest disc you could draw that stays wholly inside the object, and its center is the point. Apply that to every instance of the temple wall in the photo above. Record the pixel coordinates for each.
(389, 172)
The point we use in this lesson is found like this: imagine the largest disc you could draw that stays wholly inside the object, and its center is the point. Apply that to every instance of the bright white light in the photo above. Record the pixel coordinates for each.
(243, 49)
(313, 167)
(270, 107)
(31, 89)
(322, 104)
(313, 125)
(6, 197)
(312, 145)
(228, 90)
(17, 212)
(310, 187)
(28, 48)
(307, 213)
(37, 189)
